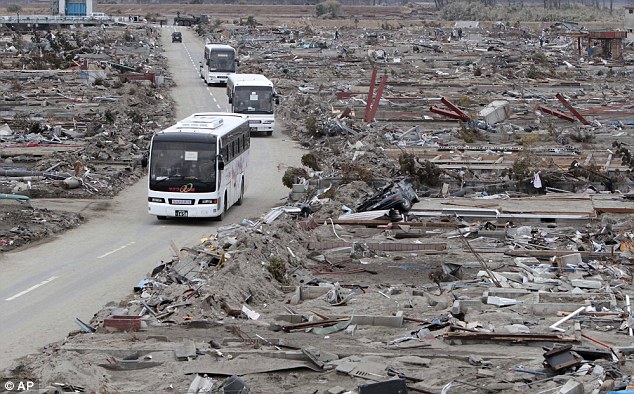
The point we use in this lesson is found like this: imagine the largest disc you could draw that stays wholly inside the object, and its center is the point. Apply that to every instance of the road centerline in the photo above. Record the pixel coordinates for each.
(42, 283)
(116, 250)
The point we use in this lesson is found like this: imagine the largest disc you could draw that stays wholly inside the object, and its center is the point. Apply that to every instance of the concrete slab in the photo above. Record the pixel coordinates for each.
(501, 301)
(586, 284)
(571, 387)
(185, 351)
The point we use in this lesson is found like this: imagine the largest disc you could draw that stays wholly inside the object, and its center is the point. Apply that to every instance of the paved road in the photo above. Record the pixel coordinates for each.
(45, 287)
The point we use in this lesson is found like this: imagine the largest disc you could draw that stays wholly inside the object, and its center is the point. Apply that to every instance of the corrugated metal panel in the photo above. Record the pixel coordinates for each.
(76, 9)
(272, 215)
(367, 215)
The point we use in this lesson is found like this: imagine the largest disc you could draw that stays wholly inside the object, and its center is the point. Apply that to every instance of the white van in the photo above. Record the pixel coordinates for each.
(99, 15)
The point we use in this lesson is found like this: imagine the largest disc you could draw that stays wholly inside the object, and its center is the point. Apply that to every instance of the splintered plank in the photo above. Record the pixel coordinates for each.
(38, 150)
(383, 246)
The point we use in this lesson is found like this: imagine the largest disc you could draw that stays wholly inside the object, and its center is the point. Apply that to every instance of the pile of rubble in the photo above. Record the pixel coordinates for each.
(365, 302)
(510, 273)
(78, 109)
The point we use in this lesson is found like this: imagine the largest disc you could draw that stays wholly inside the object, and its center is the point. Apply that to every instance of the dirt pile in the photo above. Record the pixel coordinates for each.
(22, 224)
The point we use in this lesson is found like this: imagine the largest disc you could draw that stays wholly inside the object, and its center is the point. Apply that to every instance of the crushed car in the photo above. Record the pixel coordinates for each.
(399, 196)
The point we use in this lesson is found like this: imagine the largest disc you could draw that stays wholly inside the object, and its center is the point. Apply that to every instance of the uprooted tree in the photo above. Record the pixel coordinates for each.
(292, 175)
(14, 8)
(328, 8)
(311, 161)
(424, 174)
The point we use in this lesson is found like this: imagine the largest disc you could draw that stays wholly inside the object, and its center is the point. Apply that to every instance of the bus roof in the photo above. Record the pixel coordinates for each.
(247, 77)
(217, 123)
(219, 46)
(248, 80)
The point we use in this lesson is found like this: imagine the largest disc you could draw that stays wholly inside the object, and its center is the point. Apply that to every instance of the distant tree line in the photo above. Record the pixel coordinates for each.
(548, 4)
(253, 2)
(14, 8)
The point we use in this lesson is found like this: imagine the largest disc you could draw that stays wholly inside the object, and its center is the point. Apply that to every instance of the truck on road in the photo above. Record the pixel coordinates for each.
(190, 20)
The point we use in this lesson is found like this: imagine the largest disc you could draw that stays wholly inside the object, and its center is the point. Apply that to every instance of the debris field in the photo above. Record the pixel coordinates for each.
(508, 269)
(77, 111)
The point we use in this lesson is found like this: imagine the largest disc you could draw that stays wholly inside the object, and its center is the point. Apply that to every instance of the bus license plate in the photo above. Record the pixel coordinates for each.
(181, 214)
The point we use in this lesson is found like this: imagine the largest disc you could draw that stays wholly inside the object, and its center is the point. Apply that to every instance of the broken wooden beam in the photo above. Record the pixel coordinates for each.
(347, 272)
(385, 222)
(310, 324)
(551, 253)
(176, 251)
(383, 246)
(493, 336)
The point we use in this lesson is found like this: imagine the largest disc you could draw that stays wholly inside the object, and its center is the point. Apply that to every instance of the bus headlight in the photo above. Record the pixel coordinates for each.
(156, 199)
(208, 201)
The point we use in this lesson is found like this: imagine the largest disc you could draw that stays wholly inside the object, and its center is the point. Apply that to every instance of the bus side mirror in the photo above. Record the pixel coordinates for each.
(221, 163)
(277, 100)
(237, 62)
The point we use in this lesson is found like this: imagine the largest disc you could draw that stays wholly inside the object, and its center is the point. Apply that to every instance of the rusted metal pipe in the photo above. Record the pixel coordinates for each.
(20, 198)
(556, 113)
(71, 183)
(377, 98)
(444, 112)
(455, 109)
(572, 109)
(368, 103)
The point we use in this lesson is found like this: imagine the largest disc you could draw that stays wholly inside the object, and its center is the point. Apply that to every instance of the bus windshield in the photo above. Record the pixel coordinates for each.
(172, 162)
(222, 61)
(253, 99)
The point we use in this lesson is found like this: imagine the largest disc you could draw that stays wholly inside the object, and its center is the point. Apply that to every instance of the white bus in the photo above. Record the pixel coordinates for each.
(253, 95)
(197, 166)
(218, 63)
